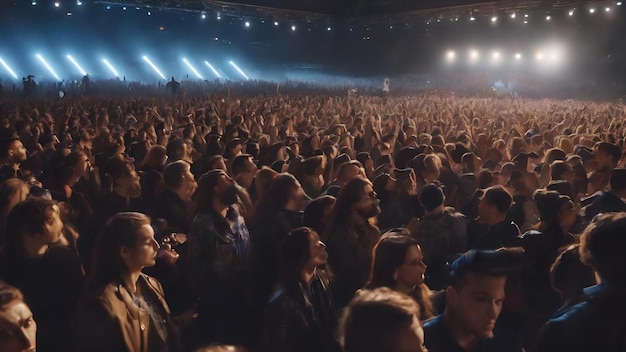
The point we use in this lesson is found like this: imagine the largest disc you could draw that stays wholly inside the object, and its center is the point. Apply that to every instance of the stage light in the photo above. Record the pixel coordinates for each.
(571, 13)
(513, 15)
(518, 56)
(79, 3)
(124, 8)
(239, 70)
(34, 3)
(80, 69)
(149, 13)
(108, 7)
(548, 18)
(329, 29)
(495, 56)
(472, 18)
(592, 10)
(451, 55)
(219, 17)
(69, 13)
(474, 55)
(619, 3)
(494, 19)
(111, 68)
(48, 67)
(57, 4)
(293, 28)
(213, 69)
(247, 24)
(193, 69)
(203, 16)
(145, 58)
(539, 56)
(607, 9)
(525, 22)
(526, 16)
(6, 67)
(275, 23)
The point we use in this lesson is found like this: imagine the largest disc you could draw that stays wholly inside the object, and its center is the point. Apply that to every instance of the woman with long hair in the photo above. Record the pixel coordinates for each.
(399, 265)
(300, 315)
(123, 309)
(18, 329)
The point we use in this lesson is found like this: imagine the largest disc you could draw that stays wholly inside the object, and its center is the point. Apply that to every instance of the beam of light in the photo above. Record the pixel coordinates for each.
(80, 69)
(193, 69)
(145, 58)
(6, 67)
(239, 70)
(48, 67)
(213, 69)
(111, 68)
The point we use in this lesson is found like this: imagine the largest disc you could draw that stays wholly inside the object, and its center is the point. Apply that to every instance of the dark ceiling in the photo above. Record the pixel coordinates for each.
(351, 10)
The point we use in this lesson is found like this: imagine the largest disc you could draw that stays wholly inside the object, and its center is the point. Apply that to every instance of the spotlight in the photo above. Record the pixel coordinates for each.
(145, 58)
(526, 16)
(6, 67)
(203, 16)
(472, 18)
(111, 68)
(474, 55)
(57, 4)
(513, 15)
(80, 69)
(219, 17)
(592, 10)
(518, 56)
(247, 24)
(329, 29)
(607, 9)
(539, 56)
(619, 3)
(450, 56)
(124, 8)
(34, 3)
(494, 19)
(239, 70)
(293, 28)
(193, 69)
(149, 13)
(79, 3)
(275, 23)
(495, 56)
(548, 18)
(213, 69)
(43, 61)
(571, 13)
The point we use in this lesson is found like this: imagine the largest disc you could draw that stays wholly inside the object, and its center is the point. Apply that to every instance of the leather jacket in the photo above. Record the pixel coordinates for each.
(109, 320)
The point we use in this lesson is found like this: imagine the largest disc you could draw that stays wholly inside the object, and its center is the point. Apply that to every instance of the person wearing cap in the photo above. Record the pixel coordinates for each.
(610, 200)
(442, 233)
(598, 322)
(219, 248)
(492, 230)
(12, 154)
(474, 301)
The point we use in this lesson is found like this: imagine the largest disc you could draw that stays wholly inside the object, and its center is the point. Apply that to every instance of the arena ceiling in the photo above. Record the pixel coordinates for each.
(350, 10)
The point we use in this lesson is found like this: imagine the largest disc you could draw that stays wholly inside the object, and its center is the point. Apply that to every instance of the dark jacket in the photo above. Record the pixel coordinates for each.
(109, 320)
(596, 324)
(482, 236)
(297, 321)
(170, 207)
(350, 258)
(51, 286)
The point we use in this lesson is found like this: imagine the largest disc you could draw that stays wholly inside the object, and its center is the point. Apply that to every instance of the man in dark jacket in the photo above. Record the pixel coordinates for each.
(609, 200)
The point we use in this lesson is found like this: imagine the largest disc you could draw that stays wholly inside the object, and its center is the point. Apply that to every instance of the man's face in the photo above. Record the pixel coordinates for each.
(368, 206)
(477, 304)
(18, 151)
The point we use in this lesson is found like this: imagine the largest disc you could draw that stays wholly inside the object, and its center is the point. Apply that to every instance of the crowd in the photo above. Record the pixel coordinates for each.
(312, 221)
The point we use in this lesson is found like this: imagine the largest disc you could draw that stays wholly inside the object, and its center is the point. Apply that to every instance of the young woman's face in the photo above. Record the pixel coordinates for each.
(18, 329)
(411, 272)
(145, 251)
(317, 250)
(53, 226)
